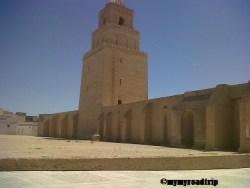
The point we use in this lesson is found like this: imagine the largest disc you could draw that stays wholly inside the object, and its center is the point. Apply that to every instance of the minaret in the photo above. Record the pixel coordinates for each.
(114, 70)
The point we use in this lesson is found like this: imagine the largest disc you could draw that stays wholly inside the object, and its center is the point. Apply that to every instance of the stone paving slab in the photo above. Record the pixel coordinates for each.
(119, 179)
(36, 153)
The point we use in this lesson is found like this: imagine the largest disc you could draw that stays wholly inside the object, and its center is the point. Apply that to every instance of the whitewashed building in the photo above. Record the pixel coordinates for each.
(7, 122)
(27, 128)
(11, 124)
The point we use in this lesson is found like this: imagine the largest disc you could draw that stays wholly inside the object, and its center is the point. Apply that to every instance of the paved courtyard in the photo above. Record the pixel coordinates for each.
(47, 154)
(239, 178)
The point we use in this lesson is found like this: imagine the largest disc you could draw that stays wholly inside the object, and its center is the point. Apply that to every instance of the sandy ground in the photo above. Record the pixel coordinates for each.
(26, 153)
(37, 147)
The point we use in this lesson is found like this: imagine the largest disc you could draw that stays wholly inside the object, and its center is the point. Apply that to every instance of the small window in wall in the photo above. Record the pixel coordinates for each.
(119, 102)
(120, 60)
(8, 125)
(121, 21)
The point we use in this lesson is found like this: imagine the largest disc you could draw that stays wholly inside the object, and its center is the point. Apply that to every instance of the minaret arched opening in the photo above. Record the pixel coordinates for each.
(121, 21)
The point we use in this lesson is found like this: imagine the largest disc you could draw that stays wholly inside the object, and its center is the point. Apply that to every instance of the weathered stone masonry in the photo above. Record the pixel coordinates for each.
(209, 119)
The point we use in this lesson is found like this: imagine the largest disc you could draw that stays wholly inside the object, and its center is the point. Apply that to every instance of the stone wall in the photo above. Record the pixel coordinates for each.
(61, 125)
(215, 119)
(161, 121)
(212, 119)
(245, 123)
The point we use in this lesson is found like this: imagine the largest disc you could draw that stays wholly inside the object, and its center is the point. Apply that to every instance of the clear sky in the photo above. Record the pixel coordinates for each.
(191, 44)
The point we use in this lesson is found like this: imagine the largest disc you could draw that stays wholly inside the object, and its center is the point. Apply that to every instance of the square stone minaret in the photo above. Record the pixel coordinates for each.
(115, 70)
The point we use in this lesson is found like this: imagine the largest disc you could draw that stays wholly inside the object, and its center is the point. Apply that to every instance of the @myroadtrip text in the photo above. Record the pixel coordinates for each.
(203, 181)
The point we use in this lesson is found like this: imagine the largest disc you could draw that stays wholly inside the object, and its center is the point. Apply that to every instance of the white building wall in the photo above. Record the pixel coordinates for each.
(27, 129)
(7, 124)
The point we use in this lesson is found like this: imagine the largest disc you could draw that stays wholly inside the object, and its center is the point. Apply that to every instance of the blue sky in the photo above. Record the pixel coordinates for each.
(191, 44)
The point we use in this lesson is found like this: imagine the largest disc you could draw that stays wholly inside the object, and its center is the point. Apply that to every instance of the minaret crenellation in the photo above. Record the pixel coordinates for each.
(119, 2)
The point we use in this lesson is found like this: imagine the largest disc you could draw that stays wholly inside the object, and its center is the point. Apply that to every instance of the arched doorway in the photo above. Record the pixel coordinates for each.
(165, 130)
(64, 127)
(128, 119)
(148, 124)
(53, 127)
(187, 129)
(46, 128)
(119, 129)
(75, 123)
(101, 126)
(108, 127)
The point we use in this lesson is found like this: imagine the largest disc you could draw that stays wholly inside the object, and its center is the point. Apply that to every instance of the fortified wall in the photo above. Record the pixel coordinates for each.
(60, 125)
(212, 119)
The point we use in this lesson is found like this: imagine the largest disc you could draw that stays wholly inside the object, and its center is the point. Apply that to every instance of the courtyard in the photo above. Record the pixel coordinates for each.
(44, 153)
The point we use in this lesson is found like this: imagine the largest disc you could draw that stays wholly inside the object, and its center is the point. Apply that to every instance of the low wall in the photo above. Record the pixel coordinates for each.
(143, 164)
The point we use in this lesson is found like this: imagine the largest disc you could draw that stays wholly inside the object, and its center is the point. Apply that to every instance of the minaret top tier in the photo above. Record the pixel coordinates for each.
(116, 27)
(116, 13)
